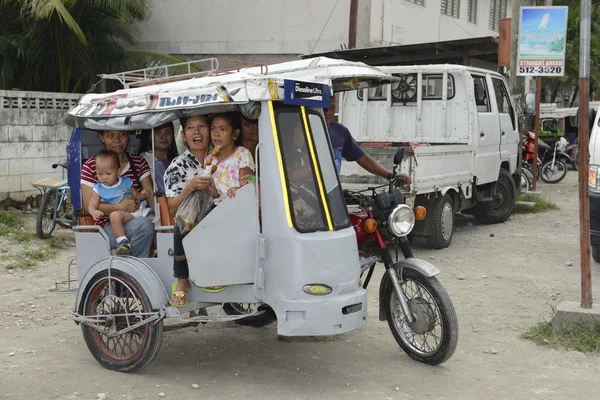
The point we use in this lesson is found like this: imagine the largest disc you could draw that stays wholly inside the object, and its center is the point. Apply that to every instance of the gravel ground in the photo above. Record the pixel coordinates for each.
(502, 279)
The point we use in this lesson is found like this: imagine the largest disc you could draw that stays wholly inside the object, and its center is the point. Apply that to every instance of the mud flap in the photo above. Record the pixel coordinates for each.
(425, 268)
(132, 266)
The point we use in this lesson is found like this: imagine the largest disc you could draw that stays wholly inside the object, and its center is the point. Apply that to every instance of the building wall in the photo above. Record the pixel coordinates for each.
(278, 30)
(33, 136)
(396, 22)
(193, 27)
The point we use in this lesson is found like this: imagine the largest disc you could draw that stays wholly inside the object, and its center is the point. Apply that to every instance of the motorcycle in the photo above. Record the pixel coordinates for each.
(550, 165)
(422, 318)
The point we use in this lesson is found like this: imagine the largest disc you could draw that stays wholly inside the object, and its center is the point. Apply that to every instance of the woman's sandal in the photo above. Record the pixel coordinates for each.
(180, 294)
(214, 289)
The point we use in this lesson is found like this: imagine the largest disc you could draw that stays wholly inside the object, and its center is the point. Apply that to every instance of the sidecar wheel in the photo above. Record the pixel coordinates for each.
(265, 315)
(432, 337)
(118, 303)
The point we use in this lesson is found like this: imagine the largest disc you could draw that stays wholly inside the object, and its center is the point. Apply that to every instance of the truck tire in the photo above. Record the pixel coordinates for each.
(442, 226)
(498, 210)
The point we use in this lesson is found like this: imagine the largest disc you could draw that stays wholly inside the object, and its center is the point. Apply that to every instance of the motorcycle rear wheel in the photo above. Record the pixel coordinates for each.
(432, 337)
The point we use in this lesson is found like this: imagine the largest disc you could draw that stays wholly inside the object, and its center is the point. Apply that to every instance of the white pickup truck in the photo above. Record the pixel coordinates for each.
(463, 142)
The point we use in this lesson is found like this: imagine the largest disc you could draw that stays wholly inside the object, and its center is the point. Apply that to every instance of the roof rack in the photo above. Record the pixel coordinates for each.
(165, 73)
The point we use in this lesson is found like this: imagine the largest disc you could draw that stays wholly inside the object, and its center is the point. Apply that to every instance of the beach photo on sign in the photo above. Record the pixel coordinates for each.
(543, 33)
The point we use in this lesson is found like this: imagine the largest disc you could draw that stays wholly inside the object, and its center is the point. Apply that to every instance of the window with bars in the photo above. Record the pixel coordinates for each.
(419, 2)
(472, 11)
(497, 12)
(451, 8)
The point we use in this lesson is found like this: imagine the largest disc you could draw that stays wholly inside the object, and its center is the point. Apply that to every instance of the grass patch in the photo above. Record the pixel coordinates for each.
(540, 205)
(10, 219)
(32, 250)
(582, 338)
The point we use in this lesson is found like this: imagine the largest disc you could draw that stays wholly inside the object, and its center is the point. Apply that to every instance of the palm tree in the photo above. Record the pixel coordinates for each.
(62, 45)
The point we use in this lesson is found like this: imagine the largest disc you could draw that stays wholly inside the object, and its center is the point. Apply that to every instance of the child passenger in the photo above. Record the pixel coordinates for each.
(233, 160)
(112, 189)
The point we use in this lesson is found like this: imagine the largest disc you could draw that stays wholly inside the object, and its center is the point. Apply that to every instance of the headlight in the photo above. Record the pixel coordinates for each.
(593, 178)
(401, 220)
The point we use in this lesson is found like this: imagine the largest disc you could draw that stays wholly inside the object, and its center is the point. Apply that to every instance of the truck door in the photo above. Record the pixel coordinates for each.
(509, 134)
(487, 141)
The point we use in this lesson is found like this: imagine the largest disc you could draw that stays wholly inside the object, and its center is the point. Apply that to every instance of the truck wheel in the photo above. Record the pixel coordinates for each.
(442, 226)
(498, 210)
(596, 253)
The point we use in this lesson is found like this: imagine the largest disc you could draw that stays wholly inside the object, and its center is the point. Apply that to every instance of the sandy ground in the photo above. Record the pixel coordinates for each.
(502, 279)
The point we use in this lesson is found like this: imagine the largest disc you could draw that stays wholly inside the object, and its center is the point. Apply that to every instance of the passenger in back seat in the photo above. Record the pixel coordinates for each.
(165, 151)
(139, 231)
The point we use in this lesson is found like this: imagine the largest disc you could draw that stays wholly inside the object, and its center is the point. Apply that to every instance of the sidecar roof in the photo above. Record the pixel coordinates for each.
(148, 106)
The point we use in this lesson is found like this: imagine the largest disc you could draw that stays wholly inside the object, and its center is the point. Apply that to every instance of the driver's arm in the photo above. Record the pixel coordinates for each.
(353, 152)
(371, 165)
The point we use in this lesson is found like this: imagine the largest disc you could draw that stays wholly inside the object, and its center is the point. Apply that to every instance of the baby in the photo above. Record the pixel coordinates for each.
(112, 189)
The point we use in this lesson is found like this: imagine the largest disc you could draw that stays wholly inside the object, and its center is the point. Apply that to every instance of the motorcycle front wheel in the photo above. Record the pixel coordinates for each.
(433, 335)
(553, 172)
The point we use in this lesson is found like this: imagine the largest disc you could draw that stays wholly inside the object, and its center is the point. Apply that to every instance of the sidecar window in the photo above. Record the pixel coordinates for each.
(305, 201)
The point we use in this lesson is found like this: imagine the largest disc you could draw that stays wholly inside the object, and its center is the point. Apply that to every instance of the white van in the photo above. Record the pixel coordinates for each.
(463, 140)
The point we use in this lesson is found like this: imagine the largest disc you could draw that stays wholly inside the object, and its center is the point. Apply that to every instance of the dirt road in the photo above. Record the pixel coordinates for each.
(502, 280)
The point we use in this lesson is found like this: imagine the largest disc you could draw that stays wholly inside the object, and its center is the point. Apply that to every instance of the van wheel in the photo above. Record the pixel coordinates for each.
(498, 210)
(442, 227)
(596, 253)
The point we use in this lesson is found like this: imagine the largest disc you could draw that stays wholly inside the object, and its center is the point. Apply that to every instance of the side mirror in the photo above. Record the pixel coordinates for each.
(399, 157)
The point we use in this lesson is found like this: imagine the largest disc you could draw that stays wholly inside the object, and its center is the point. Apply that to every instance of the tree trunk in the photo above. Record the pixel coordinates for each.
(557, 85)
(575, 94)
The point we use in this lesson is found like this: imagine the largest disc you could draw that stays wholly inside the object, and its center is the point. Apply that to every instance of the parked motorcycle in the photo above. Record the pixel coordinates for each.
(418, 309)
(551, 167)
(526, 179)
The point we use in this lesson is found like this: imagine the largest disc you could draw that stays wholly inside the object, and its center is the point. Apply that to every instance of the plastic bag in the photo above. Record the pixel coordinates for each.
(197, 203)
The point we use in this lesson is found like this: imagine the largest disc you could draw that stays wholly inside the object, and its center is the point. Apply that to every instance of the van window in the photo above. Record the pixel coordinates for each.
(503, 101)
(374, 93)
(482, 98)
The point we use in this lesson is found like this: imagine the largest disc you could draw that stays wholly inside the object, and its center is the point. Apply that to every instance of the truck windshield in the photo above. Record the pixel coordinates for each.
(314, 193)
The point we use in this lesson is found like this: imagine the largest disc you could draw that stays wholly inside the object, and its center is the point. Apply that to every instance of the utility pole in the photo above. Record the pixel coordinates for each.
(353, 24)
(583, 134)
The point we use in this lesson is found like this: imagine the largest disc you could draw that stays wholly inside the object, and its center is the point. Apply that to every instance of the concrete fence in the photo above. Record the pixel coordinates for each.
(33, 136)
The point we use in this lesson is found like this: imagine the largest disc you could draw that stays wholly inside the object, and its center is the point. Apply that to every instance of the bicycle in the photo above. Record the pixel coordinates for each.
(56, 206)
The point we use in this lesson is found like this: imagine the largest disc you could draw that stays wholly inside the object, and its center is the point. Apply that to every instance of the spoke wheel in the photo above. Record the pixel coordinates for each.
(119, 304)
(45, 222)
(433, 335)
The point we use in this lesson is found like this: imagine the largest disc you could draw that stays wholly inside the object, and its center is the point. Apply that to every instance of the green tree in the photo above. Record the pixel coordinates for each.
(571, 77)
(62, 45)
